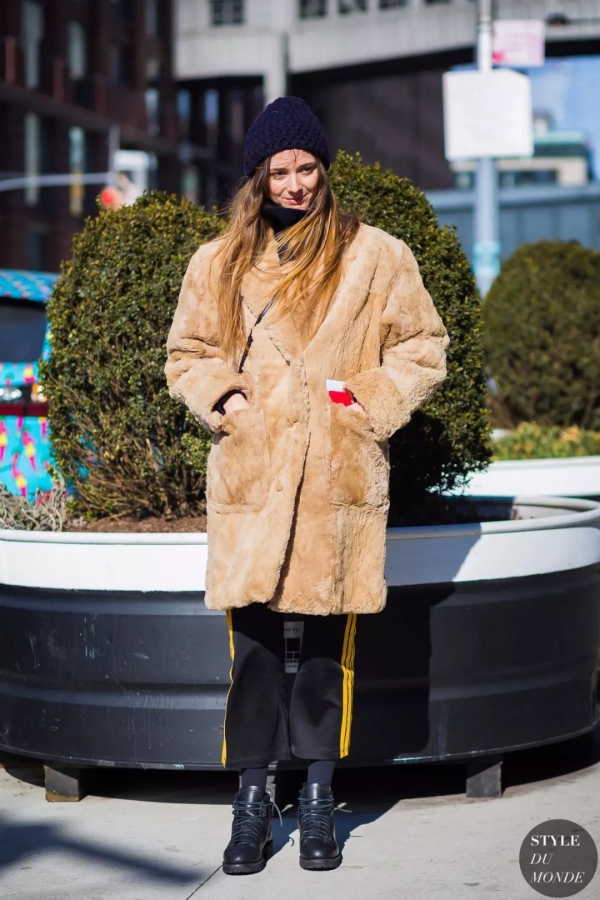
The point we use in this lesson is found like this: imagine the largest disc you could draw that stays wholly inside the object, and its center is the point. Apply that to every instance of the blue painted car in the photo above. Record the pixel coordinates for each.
(24, 340)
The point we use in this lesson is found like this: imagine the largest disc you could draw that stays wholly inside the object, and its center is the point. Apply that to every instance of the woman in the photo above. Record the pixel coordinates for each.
(294, 296)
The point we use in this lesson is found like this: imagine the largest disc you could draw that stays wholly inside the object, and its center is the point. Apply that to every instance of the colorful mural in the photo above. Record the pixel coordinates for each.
(24, 440)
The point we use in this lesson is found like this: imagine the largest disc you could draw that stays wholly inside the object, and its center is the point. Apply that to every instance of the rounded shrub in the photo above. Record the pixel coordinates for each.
(532, 441)
(449, 437)
(542, 321)
(117, 437)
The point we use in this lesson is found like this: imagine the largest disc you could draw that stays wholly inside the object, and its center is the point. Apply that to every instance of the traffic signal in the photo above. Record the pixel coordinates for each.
(112, 198)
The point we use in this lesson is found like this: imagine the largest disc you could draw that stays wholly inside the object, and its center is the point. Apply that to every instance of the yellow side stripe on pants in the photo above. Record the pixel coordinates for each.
(348, 683)
(229, 618)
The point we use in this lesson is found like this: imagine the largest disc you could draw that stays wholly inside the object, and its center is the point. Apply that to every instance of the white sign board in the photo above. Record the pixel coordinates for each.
(519, 42)
(487, 114)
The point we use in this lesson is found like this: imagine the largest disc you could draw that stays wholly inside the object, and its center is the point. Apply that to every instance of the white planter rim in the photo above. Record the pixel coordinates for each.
(549, 462)
(572, 476)
(566, 539)
(577, 512)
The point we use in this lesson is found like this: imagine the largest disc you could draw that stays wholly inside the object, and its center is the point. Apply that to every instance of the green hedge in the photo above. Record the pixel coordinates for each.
(117, 437)
(448, 438)
(128, 449)
(532, 441)
(542, 321)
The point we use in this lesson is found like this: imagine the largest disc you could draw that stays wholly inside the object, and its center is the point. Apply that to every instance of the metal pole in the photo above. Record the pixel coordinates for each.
(486, 248)
(275, 77)
(114, 143)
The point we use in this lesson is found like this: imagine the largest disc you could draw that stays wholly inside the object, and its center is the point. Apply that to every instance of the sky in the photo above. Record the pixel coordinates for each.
(569, 89)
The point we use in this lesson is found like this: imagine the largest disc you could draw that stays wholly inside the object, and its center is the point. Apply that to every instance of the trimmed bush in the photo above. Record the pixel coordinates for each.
(532, 441)
(117, 437)
(542, 322)
(448, 438)
(128, 449)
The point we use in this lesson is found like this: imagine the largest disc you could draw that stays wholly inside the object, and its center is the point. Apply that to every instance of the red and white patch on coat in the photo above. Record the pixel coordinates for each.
(338, 393)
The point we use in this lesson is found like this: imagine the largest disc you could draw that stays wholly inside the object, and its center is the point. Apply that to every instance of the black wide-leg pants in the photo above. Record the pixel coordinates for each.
(306, 713)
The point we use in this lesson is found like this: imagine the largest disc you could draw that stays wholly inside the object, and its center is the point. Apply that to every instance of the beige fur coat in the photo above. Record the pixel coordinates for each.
(297, 487)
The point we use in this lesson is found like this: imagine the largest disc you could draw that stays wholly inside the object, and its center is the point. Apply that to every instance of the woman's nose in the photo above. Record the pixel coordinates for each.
(294, 183)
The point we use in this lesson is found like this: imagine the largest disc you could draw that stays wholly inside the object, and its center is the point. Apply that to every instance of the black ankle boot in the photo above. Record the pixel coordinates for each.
(318, 846)
(251, 842)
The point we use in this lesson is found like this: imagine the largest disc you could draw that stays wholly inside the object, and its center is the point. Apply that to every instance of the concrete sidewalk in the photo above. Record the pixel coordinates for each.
(409, 833)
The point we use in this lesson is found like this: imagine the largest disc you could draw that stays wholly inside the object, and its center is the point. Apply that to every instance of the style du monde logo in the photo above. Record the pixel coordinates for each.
(558, 858)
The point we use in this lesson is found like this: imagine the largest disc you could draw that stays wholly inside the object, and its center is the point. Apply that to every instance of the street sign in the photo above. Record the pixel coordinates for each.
(518, 42)
(487, 114)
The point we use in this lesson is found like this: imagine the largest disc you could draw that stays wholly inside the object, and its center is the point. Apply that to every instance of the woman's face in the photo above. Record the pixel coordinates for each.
(293, 179)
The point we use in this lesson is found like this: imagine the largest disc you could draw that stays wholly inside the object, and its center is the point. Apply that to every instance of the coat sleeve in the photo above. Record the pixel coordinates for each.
(413, 357)
(196, 370)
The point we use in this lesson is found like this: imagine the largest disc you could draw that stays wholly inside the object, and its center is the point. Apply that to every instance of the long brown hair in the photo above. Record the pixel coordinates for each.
(311, 258)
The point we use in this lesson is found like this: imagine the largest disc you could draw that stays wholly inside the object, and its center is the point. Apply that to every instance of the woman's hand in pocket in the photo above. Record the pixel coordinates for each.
(235, 402)
(357, 408)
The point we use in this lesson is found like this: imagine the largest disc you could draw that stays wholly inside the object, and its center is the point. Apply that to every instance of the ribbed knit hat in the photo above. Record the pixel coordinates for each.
(286, 124)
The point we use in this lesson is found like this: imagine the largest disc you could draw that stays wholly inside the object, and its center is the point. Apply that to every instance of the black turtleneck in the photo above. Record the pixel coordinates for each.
(282, 217)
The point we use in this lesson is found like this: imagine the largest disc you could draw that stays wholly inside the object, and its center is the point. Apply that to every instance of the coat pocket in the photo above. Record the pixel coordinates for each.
(239, 461)
(359, 463)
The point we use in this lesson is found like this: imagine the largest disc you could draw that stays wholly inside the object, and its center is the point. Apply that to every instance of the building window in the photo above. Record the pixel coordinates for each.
(312, 9)
(211, 117)
(227, 12)
(184, 112)
(118, 59)
(76, 168)
(37, 240)
(392, 4)
(153, 66)
(351, 6)
(235, 116)
(152, 100)
(151, 18)
(33, 156)
(121, 9)
(23, 322)
(190, 184)
(33, 32)
(77, 50)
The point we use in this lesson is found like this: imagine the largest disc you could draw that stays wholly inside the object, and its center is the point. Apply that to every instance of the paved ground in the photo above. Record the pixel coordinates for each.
(409, 834)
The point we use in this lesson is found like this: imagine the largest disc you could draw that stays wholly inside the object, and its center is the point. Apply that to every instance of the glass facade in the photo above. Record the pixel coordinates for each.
(346, 7)
(33, 32)
(33, 156)
(77, 50)
(151, 17)
(76, 167)
(227, 12)
(312, 9)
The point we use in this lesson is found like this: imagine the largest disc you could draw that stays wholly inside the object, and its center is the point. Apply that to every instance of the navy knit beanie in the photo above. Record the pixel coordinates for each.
(286, 124)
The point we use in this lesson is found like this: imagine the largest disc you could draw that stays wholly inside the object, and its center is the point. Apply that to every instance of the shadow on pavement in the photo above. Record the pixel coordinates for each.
(527, 768)
(22, 841)
(346, 822)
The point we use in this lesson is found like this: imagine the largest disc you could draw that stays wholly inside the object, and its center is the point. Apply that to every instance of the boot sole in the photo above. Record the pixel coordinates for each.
(321, 865)
(250, 868)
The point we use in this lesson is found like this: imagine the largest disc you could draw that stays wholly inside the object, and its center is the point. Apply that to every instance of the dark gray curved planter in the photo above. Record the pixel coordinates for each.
(490, 642)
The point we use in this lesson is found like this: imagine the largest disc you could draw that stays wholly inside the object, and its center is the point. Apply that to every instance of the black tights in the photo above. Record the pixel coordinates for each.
(320, 771)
